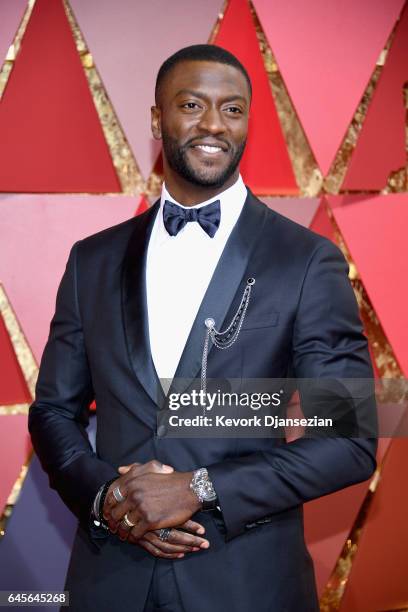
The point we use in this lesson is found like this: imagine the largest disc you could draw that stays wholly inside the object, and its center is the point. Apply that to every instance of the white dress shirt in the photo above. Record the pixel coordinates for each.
(178, 272)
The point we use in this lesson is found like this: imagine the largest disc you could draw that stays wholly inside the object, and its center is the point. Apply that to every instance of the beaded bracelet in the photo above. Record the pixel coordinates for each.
(102, 501)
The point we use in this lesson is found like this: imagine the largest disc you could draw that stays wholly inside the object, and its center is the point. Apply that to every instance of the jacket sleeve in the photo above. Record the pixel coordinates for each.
(328, 343)
(58, 417)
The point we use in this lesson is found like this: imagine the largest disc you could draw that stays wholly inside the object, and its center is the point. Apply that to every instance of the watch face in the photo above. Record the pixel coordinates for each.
(203, 487)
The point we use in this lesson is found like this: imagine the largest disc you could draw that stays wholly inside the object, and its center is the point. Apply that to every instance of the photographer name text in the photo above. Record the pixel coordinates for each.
(255, 421)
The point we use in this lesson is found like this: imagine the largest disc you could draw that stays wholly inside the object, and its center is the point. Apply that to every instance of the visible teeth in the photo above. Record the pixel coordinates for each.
(209, 148)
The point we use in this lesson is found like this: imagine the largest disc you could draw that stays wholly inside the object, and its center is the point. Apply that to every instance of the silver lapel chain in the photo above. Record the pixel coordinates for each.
(224, 339)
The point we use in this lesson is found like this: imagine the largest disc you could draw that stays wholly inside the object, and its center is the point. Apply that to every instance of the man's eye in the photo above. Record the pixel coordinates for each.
(234, 109)
(190, 105)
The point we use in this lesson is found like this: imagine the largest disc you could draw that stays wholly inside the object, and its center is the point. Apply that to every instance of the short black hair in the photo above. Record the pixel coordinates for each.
(204, 53)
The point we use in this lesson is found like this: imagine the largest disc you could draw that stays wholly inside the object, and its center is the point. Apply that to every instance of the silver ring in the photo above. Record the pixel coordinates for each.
(118, 495)
(128, 524)
(164, 533)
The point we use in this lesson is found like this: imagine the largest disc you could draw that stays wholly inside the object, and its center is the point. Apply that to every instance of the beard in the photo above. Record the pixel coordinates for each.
(206, 176)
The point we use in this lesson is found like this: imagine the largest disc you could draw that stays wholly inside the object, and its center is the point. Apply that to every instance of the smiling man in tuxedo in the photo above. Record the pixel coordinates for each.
(186, 523)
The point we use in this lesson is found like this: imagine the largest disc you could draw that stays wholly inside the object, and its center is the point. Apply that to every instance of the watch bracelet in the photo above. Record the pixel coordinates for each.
(102, 502)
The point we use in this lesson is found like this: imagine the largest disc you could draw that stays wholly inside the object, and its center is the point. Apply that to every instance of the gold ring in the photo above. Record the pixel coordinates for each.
(125, 520)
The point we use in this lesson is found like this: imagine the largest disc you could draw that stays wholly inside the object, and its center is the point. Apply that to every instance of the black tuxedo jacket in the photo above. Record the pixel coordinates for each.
(302, 320)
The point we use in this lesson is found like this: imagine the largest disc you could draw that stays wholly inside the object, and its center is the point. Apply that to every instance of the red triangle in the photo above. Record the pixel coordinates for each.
(381, 147)
(13, 388)
(51, 137)
(142, 206)
(265, 166)
(321, 223)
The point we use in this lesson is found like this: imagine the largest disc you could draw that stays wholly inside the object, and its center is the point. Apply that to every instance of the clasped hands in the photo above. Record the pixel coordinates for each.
(155, 497)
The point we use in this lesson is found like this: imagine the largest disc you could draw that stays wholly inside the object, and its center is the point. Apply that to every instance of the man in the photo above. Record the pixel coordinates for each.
(135, 305)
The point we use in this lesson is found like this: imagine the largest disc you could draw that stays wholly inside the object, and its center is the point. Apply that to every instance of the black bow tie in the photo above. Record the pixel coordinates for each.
(175, 217)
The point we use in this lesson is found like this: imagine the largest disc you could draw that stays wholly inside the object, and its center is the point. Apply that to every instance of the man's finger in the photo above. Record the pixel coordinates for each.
(153, 550)
(165, 546)
(110, 499)
(192, 527)
(139, 530)
(122, 531)
(179, 539)
(182, 538)
(123, 469)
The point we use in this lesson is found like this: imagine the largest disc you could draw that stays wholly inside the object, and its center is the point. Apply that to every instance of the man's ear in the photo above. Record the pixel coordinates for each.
(156, 122)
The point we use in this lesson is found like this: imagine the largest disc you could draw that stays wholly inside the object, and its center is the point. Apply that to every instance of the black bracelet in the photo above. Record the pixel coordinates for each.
(102, 501)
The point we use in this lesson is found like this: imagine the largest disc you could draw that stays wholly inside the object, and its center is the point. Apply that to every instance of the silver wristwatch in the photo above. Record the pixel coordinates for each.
(203, 488)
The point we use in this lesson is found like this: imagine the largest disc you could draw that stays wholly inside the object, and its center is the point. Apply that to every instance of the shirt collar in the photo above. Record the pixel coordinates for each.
(231, 200)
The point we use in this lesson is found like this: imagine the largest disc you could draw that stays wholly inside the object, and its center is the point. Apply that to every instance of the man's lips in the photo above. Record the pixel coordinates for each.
(209, 149)
(210, 146)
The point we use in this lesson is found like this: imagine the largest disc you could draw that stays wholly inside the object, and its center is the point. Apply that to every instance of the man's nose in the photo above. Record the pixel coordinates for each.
(212, 121)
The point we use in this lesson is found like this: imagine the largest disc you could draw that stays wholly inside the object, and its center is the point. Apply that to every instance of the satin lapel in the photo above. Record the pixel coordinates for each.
(223, 286)
(134, 308)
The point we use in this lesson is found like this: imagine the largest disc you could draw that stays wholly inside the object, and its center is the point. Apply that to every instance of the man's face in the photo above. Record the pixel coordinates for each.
(202, 119)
